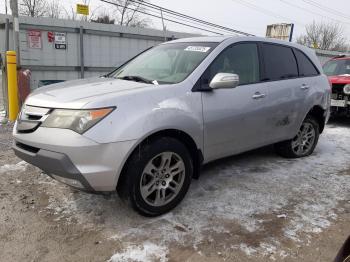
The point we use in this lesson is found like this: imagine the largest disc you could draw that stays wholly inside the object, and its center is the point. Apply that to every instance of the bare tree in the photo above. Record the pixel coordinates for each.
(104, 19)
(342, 47)
(54, 9)
(70, 13)
(128, 15)
(326, 36)
(33, 8)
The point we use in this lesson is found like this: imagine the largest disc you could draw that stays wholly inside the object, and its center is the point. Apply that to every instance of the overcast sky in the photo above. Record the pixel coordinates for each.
(250, 16)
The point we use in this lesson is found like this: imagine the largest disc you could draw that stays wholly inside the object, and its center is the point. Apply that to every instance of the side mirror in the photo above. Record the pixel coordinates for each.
(224, 80)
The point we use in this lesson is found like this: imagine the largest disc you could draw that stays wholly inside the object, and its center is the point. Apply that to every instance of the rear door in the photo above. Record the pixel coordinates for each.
(310, 81)
(285, 88)
(234, 118)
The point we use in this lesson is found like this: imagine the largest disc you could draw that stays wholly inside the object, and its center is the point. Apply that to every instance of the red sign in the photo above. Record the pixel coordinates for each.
(50, 37)
(34, 39)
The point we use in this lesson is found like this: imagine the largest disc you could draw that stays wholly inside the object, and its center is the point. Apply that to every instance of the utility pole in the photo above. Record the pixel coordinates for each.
(164, 29)
(6, 7)
(14, 9)
(291, 32)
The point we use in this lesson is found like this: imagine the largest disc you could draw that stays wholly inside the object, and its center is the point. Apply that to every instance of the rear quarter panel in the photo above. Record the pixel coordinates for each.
(318, 95)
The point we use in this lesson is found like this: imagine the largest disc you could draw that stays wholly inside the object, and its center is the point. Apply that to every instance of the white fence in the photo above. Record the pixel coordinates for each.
(56, 49)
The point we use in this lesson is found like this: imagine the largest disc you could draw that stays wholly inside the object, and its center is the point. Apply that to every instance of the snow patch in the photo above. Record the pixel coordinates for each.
(148, 252)
(247, 249)
(20, 166)
(303, 192)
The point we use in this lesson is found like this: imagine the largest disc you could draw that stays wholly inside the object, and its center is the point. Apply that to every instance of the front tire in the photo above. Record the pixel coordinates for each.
(304, 143)
(157, 177)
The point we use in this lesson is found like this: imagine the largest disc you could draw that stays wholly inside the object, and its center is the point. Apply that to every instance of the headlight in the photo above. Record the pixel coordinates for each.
(347, 89)
(76, 120)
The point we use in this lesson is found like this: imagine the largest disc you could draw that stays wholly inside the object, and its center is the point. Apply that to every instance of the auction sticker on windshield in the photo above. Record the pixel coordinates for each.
(202, 49)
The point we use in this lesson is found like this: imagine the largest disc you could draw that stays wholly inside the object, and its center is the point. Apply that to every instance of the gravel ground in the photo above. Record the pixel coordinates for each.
(255, 206)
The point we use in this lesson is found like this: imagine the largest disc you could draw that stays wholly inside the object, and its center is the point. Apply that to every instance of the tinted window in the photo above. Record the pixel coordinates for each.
(279, 62)
(306, 68)
(241, 59)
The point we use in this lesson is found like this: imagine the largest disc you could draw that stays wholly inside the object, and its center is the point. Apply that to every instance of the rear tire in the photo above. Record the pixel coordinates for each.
(157, 177)
(304, 143)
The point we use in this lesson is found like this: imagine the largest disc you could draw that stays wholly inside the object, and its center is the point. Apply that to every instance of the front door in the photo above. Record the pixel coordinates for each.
(235, 118)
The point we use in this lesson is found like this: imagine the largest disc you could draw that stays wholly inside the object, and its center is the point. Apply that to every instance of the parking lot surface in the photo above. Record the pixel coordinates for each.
(255, 206)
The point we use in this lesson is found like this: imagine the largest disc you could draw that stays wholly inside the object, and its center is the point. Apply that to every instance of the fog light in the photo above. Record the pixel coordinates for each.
(68, 181)
(347, 89)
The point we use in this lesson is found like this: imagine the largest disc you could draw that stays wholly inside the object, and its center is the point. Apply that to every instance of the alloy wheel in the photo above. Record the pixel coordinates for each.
(162, 179)
(304, 140)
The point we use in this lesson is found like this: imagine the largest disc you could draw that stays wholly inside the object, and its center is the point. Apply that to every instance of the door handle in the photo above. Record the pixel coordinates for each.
(304, 87)
(258, 95)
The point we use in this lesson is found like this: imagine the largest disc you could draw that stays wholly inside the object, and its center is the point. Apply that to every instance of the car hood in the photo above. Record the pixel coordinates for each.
(340, 79)
(77, 93)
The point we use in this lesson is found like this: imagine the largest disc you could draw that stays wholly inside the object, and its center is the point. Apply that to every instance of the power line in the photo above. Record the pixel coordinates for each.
(312, 12)
(266, 11)
(168, 15)
(198, 23)
(326, 9)
(166, 10)
(166, 19)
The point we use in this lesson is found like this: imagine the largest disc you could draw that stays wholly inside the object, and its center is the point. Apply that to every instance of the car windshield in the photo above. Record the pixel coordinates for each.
(337, 67)
(165, 64)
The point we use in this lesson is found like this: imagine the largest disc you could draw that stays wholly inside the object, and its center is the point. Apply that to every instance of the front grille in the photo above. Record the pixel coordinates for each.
(31, 118)
(34, 118)
(27, 147)
(338, 92)
(338, 88)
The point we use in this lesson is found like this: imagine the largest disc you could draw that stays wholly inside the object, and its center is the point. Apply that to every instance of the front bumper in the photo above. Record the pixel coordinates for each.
(340, 108)
(56, 165)
(72, 158)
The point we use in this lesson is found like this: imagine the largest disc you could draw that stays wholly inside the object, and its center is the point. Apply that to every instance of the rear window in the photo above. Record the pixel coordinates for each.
(337, 67)
(279, 62)
(306, 67)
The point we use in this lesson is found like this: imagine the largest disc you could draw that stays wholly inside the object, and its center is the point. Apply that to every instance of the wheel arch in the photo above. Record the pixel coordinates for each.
(319, 114)
(186, 139)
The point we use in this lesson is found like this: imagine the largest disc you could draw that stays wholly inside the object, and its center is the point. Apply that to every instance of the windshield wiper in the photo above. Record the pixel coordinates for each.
(136, 79)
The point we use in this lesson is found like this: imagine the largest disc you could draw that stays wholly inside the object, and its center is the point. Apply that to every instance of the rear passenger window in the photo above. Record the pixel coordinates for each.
(279, 62)
(306, 67)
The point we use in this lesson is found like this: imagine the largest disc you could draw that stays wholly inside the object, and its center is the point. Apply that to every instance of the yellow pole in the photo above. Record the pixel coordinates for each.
(12, 88)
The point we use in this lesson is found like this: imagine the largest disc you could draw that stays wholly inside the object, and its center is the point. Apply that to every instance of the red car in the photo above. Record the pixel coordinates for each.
(338, 72)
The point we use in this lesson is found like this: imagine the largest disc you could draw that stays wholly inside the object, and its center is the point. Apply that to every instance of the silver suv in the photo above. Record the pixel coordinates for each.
(146, 128)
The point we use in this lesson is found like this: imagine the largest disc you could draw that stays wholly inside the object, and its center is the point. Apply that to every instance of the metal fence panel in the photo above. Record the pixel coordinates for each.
(2, 104)
(104, 47)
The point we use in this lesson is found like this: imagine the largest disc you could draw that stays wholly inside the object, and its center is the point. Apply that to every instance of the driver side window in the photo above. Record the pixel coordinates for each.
(241, 59)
